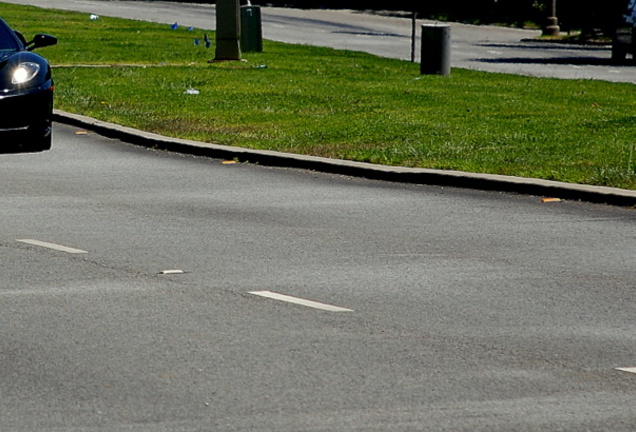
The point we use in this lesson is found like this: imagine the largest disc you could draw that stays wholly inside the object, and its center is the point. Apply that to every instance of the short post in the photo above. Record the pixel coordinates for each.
(228, 30)
(551, 27)
(435, 49)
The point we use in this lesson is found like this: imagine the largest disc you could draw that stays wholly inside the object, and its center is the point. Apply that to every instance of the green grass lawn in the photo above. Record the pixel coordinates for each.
(338, 104)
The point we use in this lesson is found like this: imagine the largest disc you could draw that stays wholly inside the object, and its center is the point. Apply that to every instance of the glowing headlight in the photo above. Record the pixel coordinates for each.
(25, 72)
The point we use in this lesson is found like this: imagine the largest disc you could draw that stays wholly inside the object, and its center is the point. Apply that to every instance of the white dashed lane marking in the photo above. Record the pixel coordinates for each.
(53, 246)
(299, 301)
(171, 272)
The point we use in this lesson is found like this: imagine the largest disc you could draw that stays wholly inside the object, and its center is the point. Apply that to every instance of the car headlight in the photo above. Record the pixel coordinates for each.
(25, 72)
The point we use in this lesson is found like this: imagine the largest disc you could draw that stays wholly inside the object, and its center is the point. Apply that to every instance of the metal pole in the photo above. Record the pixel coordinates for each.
(552, 24)
(413, 36)
(228, 30)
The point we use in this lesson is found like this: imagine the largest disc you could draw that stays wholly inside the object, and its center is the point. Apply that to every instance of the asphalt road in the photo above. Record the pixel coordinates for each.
(491, 49)
(466, 311)
(132, 298)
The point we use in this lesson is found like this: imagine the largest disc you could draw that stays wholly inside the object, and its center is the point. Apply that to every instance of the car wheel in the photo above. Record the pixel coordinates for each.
(44, 143)
(618, 55)
(38, 144)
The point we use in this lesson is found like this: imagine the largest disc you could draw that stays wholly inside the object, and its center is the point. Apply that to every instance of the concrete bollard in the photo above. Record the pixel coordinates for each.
(435, 49)
(228, 30)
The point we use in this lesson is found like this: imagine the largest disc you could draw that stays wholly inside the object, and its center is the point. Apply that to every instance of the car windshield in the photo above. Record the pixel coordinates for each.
(7, 39)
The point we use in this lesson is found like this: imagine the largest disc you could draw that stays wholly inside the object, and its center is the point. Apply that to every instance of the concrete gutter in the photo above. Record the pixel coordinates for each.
(491, 182)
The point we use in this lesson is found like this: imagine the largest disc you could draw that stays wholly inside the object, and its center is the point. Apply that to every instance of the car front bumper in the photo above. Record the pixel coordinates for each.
(27, 112)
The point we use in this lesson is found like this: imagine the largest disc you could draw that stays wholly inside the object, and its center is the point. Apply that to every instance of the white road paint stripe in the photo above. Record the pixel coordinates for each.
(172, 272)
(299, 301)
(629, 369)
(52, 246)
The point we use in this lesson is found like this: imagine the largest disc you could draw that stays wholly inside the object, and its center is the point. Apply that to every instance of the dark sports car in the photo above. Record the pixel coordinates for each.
(26, 92)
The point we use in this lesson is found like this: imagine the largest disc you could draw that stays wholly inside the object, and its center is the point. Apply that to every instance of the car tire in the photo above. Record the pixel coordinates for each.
(618, 54)
(38, 144)
(44, 143)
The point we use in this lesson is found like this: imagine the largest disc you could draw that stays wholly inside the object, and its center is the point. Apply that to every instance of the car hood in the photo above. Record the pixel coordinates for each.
(4, 55)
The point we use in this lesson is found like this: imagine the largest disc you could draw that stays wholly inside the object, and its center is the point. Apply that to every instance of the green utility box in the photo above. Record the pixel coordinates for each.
(251, 29)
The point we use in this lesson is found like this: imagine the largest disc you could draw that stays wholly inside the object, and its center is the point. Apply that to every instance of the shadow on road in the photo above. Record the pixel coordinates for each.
(541, 46)
(574, 61)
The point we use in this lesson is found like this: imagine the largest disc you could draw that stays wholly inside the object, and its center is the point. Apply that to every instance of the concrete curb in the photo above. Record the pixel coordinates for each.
(520, 185)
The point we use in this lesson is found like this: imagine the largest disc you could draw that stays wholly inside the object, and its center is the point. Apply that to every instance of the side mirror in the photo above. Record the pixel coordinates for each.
(41, 41)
